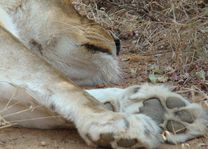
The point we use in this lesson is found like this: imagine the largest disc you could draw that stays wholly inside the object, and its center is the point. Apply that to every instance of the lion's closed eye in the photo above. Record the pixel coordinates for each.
(94, 48)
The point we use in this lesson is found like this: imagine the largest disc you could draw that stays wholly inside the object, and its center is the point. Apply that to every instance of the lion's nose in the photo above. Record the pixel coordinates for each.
(118, 45)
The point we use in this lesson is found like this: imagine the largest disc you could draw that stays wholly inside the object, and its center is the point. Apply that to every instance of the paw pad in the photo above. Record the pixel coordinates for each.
(185, 116)
(174, 102)
(105, 139)
(127, 142)
(175, 127)
(153, 108)
(109, 106)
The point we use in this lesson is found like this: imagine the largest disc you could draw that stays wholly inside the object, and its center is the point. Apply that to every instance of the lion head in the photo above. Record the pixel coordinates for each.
(80, 48)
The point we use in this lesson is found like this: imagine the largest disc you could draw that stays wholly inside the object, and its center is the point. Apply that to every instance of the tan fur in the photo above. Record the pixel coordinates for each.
(46, 46)
(50, 34)
(65, 39)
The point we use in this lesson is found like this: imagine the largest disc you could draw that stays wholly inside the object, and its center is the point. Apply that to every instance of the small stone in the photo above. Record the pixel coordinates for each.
(43, 143)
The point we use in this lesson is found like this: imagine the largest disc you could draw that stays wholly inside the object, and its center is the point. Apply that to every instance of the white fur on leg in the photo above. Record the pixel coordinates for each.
(106, 94)
(7, 22)
(21, 109)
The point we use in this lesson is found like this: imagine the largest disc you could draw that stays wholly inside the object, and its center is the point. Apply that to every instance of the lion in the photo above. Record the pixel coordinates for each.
(48, 52)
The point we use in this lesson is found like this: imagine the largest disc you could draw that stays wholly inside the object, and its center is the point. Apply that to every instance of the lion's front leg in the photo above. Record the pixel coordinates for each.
(49, 88)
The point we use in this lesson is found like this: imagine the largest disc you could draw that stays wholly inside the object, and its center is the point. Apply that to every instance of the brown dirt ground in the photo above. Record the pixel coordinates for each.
(20, 138)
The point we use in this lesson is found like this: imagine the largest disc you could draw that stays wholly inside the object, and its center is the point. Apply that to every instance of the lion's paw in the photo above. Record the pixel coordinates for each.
(121, 131)
(179, 119)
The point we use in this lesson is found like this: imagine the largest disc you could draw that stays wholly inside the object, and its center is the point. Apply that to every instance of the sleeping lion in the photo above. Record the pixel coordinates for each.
(48, 51)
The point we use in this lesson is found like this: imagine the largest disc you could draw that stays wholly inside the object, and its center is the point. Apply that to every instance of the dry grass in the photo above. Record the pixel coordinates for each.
(4, 123)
